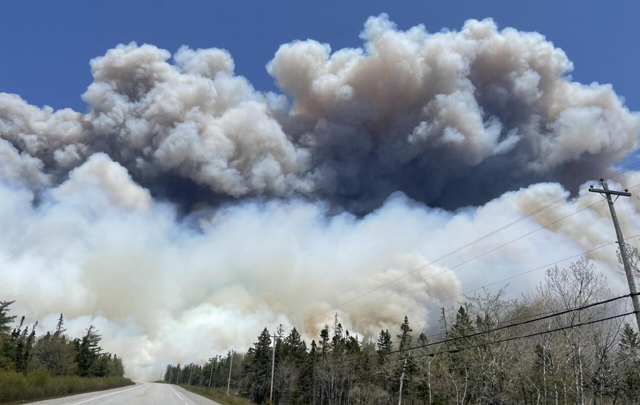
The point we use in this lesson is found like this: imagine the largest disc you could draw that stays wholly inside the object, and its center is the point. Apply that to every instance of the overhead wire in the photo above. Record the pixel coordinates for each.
(457, 250)
(505, 327)
(528, 215)
(546, 266)
(424, 280)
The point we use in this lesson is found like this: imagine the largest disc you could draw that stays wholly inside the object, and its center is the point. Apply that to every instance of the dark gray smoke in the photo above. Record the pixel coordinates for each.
(451, 119)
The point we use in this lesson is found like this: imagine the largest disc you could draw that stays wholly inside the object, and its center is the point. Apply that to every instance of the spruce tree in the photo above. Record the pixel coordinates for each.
(324, 340)
(60, 326)
(88, 352)
(385, 345)
(6, 347)
(260, 367)
(404, 338)
(295, 348)
(5, 319)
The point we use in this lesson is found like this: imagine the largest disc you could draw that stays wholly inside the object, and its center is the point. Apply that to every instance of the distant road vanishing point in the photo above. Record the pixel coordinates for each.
(140, 394)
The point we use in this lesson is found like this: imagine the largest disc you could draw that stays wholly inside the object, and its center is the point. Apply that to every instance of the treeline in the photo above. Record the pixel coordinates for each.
(485, 351)
(34, 366)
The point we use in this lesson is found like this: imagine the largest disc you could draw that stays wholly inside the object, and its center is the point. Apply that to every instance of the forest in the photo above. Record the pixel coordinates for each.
(568, 341)
(33, 367)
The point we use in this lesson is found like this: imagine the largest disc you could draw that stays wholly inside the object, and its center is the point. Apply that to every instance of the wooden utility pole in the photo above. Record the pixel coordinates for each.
(230, 366)
(444, 319)
(211, 376)
(623, 249)
(190, 372)
(273, 367)
(401, 381)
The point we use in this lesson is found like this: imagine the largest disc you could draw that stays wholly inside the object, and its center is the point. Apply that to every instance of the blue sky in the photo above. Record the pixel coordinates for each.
(46, 46)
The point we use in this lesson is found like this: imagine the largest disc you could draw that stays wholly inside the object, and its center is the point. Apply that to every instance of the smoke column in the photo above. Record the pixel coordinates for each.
(186, 210)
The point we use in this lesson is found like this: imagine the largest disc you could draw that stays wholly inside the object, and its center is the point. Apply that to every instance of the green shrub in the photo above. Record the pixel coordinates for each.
(40, 377)
(39, 385)
(218, 395)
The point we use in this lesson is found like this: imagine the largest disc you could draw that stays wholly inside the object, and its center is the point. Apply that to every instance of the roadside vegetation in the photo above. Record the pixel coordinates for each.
(218, 394)
(487, 350)
(38, 367)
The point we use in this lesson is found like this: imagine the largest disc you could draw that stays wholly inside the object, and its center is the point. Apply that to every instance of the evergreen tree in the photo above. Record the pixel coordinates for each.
(405, 336)
(88, 352)
(385, 344)
(22, 343)
(60, 326)
(629, 359)
(55, 352)
(337, 342)
(463, 325)
(6, 347)
(260, 367)
(295, 348)
(5, 318)
(324, 340)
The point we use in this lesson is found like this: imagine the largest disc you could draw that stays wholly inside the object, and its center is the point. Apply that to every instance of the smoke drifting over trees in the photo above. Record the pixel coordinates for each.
(185, 202)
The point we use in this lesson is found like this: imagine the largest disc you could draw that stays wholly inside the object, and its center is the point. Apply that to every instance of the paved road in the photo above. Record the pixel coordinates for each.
(140, 394)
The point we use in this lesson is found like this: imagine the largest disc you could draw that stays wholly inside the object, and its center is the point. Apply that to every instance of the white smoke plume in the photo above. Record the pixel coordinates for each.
(185, 210)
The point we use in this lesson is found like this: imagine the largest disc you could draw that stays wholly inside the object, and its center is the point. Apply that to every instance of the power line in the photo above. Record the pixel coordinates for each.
(563, 312)
(448, 254)
(508, 278)
(469, 260)
(479, 256)
(624, 169)
(457, 250)
(506, 327)
(537, 333)
(509, 339)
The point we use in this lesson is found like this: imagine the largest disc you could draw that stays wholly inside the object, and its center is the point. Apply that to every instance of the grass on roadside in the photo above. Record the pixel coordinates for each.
(218, 395)
(15, 387)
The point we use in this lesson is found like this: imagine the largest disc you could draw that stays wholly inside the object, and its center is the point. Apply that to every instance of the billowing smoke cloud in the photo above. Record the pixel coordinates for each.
(426, 114)
(185, 211)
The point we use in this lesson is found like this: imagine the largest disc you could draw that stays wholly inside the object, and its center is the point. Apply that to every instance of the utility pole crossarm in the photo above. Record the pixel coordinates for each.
(601, 191)
(623, 250)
